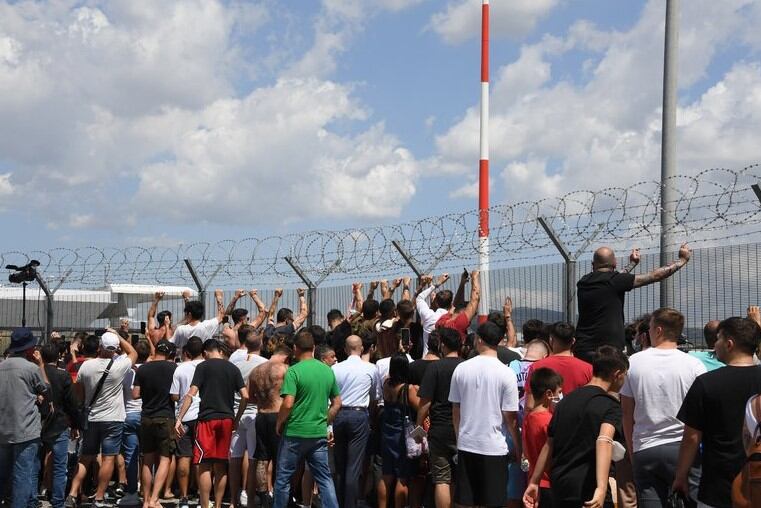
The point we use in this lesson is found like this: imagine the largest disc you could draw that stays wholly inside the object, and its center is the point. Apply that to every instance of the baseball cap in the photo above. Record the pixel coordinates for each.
(489, 333)
(164, 347)
(109, 340)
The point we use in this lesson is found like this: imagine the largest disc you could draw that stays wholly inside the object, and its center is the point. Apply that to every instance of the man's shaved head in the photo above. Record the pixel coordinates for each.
(604, 257)
(354, 344)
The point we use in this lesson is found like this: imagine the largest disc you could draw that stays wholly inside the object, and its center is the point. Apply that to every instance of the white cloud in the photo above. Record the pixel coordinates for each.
(99, 99)
(552, 134)
(461, 19)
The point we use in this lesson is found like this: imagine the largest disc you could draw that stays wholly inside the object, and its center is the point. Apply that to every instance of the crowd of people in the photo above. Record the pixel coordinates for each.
(404, 402)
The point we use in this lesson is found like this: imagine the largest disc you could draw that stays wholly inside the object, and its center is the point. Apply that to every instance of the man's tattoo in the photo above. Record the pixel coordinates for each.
(631, 266)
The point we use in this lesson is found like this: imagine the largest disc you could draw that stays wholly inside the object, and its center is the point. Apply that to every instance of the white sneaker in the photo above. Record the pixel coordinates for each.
(243, 498)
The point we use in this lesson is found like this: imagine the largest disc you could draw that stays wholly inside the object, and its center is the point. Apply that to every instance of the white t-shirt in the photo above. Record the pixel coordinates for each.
(750, 428)
(109, 405)
(245, 366)
(181, 381)
(381, 367)
(239, 355)
(131, 405)
(484, 387)
(204, 330)
(658, 381)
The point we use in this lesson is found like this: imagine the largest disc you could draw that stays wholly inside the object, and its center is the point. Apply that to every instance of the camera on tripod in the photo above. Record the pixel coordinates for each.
(22, 274)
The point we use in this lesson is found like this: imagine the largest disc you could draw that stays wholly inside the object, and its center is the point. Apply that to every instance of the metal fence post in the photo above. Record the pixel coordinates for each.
(310, 287)
(407, 258)
(49, 313)
(200, 285)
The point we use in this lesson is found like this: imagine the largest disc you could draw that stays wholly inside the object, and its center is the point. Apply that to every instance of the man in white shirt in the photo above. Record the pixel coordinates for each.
(351, 428)
(443, 301)
(107, 414)
(658, 381)
(484, 397)
(192, 355)
(205, 330)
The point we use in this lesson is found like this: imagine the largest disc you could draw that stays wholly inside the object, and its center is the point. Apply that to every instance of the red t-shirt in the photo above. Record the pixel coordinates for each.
(73, 367)
(535, 426)
(575, 372)
(460, 323)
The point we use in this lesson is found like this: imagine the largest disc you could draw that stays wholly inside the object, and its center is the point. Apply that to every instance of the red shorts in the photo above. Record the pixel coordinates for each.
(212, 440)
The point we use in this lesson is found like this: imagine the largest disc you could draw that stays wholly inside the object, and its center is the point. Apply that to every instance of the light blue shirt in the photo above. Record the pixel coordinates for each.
(356, 381)
(709, 359)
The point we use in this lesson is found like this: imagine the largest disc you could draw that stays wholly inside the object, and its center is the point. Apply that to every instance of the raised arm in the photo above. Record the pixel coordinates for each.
(237, 296)
(459, 296)
(303, 309)
(218, 297)
(273, 306)
(385, 291)
(371, 292)
(475, 294)
(664, 272)
(406, 281)
(153, 309)
(512, 337)
(128, 350)
(421, 299)
(357, 298)
(260, 307)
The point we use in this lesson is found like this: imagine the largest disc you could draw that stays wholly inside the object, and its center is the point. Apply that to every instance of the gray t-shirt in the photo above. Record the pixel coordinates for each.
(109, 406)
(20, 383)
(249, 363)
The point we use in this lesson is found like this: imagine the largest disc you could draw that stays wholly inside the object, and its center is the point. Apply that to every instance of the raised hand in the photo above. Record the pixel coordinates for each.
(634, 257)
(158, 295)
(253, 293)
(406, 281)
(685, 252)
(442, 279)
(239, 293)
(301, 292)
(474, 275)
(426, 279)
(374, 285)
(507, 308)
(186, 294)
(218, 294)
(278, 292)
(754, 314)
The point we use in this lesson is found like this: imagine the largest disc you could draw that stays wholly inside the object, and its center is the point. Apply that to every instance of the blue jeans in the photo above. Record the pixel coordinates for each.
(352, 431)
(60, 457)
(315, 450)
(19, 468)
(130, 450)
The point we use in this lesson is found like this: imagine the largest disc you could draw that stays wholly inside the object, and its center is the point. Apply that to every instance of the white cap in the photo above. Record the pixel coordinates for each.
(109, 340)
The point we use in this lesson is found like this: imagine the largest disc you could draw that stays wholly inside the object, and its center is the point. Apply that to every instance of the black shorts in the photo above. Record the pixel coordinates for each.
(267, 440)
(157, 436)
(186, 442)
(481, 479)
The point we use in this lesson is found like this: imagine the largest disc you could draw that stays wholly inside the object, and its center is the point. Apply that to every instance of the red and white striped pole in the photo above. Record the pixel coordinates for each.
(483, 169)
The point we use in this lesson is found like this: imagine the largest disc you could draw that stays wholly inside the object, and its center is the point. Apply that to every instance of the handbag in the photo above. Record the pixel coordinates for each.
(84, 413)
(416, 443)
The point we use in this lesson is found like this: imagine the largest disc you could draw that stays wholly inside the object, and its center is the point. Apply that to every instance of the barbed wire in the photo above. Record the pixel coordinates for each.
(710, 201)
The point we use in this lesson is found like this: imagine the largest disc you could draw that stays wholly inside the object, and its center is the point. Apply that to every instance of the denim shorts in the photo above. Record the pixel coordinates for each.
(102, 437)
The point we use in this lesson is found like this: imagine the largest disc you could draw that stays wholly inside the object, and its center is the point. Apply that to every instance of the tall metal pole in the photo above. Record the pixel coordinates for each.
(668, 141)
(483, 168)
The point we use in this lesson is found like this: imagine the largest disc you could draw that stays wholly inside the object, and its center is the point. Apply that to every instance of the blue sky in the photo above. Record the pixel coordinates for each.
(132, 122)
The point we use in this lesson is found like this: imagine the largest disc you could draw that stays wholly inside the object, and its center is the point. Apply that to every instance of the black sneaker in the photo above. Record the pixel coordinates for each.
(71, 502)
(119, 489)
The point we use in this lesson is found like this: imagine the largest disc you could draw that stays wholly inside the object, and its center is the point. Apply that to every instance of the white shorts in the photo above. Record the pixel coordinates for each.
(244, 439)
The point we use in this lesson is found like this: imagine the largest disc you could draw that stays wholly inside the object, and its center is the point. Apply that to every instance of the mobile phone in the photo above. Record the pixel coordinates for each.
(405, 337)
(142, 327)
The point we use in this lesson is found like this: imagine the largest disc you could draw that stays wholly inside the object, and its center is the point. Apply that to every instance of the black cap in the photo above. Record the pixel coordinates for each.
(490, 333)
(164, 347)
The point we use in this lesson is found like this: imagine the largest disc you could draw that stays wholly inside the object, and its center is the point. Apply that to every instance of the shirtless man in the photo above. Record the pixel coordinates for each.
(160, 326)
(264, 383)
(240, 318)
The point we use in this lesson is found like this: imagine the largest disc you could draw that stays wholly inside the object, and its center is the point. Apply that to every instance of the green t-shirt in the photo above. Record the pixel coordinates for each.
(312, 383)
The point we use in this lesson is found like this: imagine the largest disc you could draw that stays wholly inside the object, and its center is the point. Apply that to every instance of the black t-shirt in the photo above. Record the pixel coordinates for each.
(601, 309)
(218, 381)
(715, 405)
(574, 428)
(435, 386)
(155, 382)
(504, 354)
(417, 370)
